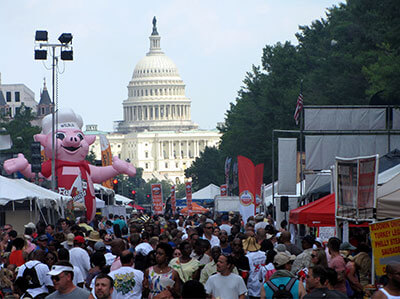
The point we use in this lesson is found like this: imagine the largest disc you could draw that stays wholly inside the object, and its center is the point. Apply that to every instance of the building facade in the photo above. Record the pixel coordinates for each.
(157, 133)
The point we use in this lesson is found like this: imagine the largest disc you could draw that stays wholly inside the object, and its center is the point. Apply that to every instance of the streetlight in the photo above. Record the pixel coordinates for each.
(41, 41)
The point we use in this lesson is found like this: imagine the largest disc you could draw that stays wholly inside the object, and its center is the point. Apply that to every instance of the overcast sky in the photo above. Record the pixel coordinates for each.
(213, 44)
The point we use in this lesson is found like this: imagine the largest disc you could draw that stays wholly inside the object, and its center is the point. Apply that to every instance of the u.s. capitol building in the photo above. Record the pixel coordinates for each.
(156, 132)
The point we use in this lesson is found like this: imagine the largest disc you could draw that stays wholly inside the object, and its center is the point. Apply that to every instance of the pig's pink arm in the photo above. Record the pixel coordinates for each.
(19, 164)
(101, 174)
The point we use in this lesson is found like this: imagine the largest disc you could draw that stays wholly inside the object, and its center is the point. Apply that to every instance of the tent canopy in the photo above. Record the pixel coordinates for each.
(20, 190)
(195, 209)
(317, 213)
(137, 207)
(208, 192)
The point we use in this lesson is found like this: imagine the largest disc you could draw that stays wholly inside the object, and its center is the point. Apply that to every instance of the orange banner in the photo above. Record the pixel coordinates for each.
(188, 190)
(106, 158)
(156, 195)
(173, 200)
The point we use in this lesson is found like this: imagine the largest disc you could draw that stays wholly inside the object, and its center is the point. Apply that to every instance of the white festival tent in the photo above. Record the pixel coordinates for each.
(21, 190)
(208, 192)
(388, 195)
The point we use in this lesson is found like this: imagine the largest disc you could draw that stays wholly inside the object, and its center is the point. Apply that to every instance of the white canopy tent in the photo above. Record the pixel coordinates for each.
(20, 190)
(208, 192)
(388, 197)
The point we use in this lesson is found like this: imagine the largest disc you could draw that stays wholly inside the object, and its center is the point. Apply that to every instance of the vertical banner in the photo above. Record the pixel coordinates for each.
(227, 170)
(106, 158)
(235, 175)
(287, 166)
(188, 190)
(156, 195)
(223, 190)
(246, 187)
(259, 173)
(173, 200)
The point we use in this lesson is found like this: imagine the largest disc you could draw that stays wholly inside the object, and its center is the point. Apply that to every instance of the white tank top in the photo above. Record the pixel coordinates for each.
(388, 295)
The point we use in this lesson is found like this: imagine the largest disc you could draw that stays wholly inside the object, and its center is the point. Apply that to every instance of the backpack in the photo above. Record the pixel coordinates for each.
(31, 277)
(282, 291)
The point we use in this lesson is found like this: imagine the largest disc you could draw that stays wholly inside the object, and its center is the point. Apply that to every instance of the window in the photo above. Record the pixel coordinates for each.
(8, 96)
(17, 96)
(146, 154)
(176, 165)
(146, 165)
(166, 165)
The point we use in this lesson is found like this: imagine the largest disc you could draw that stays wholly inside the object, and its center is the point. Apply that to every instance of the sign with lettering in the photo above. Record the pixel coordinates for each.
(156, 195)
(385, 237)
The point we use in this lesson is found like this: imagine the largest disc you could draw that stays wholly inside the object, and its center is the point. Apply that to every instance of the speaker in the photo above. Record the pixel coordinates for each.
(284, 203)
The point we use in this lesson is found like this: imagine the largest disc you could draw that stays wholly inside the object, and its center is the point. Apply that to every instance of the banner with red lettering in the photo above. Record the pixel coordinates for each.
(188, 190)
(259, 173)
(223, 190)
(246, 187)
(156, 195)
(106, 158)
(173, 200)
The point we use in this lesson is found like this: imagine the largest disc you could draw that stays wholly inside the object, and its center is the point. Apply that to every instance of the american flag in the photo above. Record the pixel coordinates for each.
(299, 107)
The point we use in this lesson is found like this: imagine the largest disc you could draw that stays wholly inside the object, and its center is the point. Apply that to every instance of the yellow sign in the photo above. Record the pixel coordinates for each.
(385, 237)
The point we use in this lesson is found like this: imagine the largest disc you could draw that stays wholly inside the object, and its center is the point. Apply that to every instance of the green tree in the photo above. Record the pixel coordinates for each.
(21, 131)
(207, 169)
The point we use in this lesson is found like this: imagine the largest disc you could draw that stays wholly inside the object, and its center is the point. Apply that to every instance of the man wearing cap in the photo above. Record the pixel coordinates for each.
(42, 243)
(94, 237)
(79, 256)
(62, 275)
(283, 264)
(303, 260)
(69, 243)
(101, 247)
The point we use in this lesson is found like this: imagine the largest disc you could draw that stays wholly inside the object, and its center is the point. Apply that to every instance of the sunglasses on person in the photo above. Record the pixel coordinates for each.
(313, 256)
(57, 277)
(208, 227)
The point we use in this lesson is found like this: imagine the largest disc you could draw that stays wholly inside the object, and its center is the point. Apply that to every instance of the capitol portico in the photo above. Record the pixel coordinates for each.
(156, 132)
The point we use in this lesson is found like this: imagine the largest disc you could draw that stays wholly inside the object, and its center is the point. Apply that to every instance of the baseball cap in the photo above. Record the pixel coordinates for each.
(30, 225)
(79, 239)
(99, 246)
(282, 258)
(43, 238)
(70, 239)
(56, 270)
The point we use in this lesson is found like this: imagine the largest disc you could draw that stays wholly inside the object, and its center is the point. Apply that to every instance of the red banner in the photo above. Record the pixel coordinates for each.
(246, 187)
(156, 195)
(259, 172)
(223, 190)
(173, 200)
(188, 190)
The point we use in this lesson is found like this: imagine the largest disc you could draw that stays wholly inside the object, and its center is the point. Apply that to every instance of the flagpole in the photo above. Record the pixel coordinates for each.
(301, 140)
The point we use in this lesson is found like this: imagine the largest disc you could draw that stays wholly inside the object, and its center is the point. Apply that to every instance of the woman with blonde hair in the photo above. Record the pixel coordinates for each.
(318, 257)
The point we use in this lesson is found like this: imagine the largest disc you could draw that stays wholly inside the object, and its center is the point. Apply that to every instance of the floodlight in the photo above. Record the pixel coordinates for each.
(40, 54)
(65, 38)
(41, 35)
(66, 55)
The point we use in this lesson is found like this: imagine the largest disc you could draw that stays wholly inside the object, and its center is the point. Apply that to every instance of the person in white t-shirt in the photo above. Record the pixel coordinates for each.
(225, 284)
(128, 282)
(256, 261)
(79, 257)
(44, 282)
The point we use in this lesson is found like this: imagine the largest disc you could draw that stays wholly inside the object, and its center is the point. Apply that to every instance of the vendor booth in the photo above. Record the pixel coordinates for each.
(196, 209)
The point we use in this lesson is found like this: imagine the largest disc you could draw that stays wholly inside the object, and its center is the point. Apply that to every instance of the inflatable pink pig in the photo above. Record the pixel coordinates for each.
(75, 176)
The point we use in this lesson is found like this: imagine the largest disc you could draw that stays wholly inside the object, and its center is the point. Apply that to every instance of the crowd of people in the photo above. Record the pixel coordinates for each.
(164, 256)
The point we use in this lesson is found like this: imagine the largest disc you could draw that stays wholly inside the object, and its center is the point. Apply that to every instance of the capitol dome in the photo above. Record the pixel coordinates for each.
(156, 94)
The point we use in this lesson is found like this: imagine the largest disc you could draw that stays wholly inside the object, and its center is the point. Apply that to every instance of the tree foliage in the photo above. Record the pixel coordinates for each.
(343, 59)
(21, 131)
(207, 169)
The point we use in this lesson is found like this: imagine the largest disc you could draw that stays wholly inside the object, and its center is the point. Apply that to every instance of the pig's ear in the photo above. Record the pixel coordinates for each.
(40, 138)
(90, 139)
